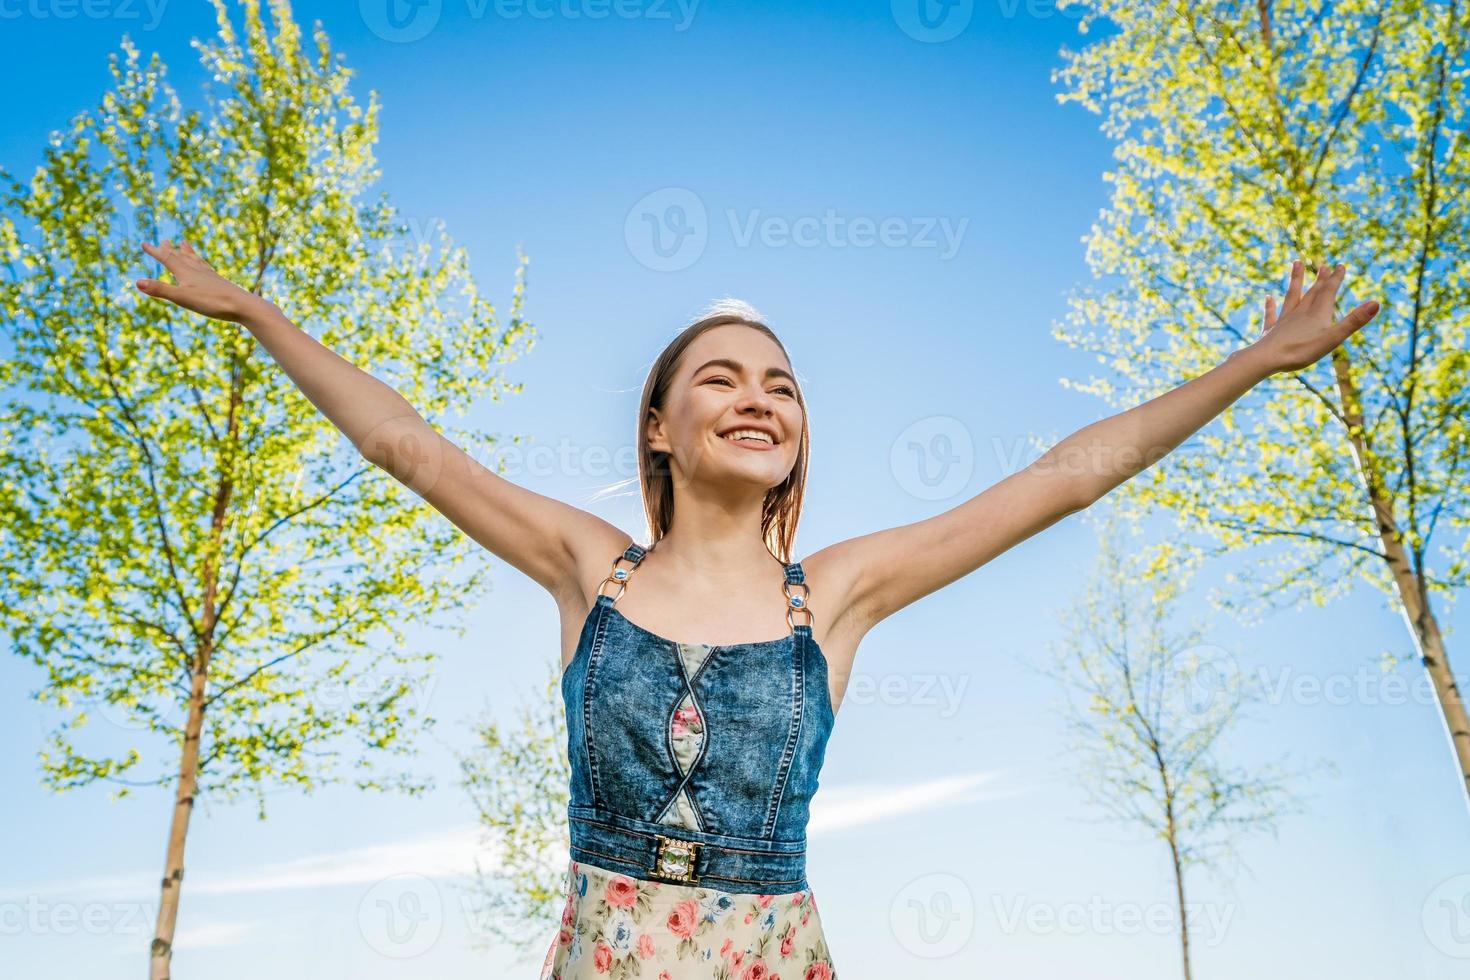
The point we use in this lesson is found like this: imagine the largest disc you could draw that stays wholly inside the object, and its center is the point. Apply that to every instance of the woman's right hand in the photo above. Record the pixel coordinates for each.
(196, 285)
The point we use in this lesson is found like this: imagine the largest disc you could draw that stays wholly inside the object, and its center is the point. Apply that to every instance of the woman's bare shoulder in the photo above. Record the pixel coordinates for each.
(833, 575)
(597, 544)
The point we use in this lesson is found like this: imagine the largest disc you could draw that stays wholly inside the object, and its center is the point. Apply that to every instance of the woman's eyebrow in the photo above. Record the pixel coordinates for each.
(737, 367)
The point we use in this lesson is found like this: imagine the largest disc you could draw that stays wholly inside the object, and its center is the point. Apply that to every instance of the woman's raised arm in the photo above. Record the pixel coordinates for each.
(540, 536)
(891, 568)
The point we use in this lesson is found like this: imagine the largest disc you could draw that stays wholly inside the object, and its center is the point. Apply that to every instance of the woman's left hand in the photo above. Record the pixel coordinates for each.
(1304, 332)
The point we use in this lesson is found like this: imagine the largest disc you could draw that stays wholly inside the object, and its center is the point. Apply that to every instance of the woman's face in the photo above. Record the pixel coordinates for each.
(731, 378)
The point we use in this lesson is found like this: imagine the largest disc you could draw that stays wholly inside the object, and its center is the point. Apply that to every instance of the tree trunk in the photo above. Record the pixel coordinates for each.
(1179, 894)
(161, 958)
(1413, 597)
(173, 866)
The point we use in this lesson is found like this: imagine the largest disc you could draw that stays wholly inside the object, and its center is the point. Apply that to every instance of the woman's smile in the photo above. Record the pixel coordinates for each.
(749, 442)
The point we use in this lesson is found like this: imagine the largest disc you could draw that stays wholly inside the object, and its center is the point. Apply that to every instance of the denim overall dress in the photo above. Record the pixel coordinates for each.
(725, 807)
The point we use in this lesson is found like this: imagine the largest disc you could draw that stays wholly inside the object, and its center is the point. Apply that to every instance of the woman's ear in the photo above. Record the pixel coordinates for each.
(654, 429)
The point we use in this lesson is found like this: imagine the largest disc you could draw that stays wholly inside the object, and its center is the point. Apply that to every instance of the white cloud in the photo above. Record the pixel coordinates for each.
(452, 852)
(840, 807)
(445, 853)
(207, 934)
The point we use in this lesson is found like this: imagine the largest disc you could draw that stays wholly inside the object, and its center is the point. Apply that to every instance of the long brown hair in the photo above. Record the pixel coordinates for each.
(782, 509)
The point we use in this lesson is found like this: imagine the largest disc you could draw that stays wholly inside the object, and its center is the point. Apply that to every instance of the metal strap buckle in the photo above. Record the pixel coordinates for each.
(675, 859)
(619, 575)
(797, 602)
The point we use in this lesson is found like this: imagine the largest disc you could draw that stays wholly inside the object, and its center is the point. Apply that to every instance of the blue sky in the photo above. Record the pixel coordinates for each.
(789, 135)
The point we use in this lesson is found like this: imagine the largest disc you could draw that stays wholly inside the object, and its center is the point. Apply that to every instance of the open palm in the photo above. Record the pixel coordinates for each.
(196, 285)
(1304, 331)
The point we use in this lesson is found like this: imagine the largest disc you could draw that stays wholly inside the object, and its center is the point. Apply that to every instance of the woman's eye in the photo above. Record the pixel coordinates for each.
(787, 389)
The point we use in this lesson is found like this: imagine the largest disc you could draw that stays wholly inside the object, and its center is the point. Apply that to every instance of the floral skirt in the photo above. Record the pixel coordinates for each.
(617, 927)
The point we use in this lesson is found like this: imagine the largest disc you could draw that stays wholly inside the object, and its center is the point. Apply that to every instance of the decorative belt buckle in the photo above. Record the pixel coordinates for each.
(675, 858)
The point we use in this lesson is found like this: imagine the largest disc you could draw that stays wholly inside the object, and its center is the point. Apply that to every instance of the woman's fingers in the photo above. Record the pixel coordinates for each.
(1293, 287)
(1270, 319)
(162, 290)
(163, 252)
(1359, 316)
(1329, 277)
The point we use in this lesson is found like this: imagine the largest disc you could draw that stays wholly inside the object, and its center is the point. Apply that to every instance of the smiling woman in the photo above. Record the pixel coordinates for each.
(694, 764)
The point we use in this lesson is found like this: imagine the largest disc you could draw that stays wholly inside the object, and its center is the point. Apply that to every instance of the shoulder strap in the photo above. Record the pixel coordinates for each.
(633, 553)
(796, 600)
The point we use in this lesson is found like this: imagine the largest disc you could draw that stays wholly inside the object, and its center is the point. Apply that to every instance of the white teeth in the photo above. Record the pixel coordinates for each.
(750, 434)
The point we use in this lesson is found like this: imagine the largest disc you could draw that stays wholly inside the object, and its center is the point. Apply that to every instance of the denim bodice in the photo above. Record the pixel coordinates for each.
(695, 763)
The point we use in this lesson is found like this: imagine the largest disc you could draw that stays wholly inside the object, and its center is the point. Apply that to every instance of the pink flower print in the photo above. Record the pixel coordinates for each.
(602, 958)
(686, 718)
(818, 971)
(683, 918)
(645, 946)
(796, 899)
(563, 937)
(621, 893)
(758, 970)
(735, 958)
(664, 975)
(764, 901)
(569, 914)
(725, 949)
(788, 940)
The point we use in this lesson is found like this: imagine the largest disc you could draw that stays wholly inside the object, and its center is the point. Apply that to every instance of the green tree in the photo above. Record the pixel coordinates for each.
(1150, 711)
(186, 545)
(516, 778)
(1248, 133)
